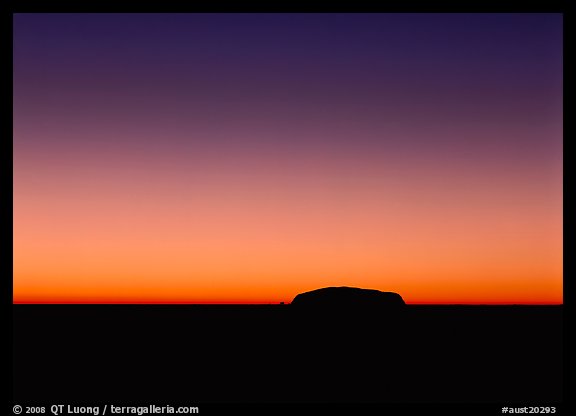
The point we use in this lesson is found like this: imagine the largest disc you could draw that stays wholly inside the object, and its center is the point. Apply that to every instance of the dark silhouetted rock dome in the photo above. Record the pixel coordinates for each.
(348, 298)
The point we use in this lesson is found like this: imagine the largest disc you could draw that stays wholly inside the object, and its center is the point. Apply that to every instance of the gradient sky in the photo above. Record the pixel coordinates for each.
(250, 157)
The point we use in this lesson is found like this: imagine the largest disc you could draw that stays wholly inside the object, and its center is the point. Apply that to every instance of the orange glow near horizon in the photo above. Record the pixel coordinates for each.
(251, 242)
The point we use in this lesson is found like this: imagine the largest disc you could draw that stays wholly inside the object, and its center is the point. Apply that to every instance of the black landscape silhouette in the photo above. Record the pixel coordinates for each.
(344, 297)
(288, 353)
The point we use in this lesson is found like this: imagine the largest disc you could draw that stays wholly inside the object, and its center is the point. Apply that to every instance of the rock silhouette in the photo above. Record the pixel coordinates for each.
(351, 298)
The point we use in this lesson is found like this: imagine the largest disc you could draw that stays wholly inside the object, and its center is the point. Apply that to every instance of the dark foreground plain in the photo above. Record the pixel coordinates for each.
(276, 353)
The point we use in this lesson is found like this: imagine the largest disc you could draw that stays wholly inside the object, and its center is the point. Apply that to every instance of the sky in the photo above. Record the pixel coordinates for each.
(246, 158)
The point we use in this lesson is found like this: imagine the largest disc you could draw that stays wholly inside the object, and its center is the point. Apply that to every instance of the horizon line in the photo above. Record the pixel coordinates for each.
(279, 303)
